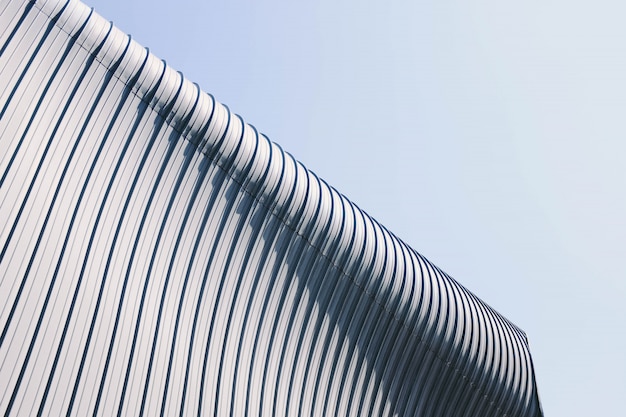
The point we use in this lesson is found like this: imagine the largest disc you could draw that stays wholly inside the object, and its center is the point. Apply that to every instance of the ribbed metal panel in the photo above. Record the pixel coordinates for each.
(158, 256)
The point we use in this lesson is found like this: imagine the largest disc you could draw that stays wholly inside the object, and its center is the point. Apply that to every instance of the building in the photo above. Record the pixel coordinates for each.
(159, 255)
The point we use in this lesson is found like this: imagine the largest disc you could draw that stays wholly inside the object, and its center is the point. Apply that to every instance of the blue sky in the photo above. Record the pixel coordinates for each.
(488, 135)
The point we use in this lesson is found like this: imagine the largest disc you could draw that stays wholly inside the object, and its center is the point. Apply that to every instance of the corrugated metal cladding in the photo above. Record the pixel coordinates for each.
(158, 256)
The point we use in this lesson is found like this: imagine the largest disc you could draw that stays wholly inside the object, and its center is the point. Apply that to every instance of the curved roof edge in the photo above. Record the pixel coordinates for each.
(376, 261)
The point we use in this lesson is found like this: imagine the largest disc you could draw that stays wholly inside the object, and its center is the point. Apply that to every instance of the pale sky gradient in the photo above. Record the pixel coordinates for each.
(488, 135)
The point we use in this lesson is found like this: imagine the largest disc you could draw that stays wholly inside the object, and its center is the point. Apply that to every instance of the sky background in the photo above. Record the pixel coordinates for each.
(488, 135)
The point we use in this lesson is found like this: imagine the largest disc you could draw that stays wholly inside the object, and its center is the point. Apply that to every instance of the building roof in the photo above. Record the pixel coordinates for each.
(161, 255)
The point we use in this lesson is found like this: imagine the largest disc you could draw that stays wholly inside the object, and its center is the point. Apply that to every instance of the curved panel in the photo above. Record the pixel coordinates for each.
(160, 256)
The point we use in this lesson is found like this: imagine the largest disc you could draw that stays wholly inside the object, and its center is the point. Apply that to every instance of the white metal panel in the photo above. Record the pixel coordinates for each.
(159, 255)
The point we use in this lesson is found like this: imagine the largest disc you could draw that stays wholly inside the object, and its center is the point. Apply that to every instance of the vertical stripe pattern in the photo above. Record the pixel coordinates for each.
(159, 256)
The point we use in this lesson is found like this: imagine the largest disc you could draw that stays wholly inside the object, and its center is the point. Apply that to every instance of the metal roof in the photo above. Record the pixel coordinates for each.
(160, 255)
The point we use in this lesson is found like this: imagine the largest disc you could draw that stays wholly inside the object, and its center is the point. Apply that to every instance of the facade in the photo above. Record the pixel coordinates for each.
(159, 256)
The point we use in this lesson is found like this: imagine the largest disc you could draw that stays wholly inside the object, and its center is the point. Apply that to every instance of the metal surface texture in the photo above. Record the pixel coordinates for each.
(159, 256)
